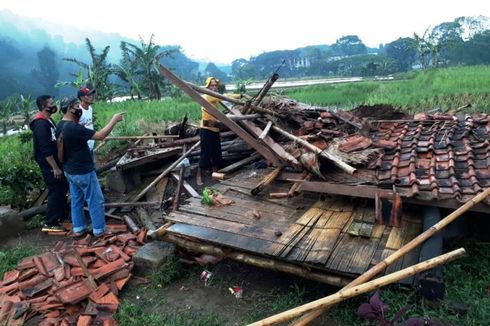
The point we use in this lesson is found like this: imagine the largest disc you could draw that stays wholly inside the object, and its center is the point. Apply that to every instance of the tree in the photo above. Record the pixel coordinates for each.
(24, 106)
(126, 70)
(48, 73)
(6, 109)
(97, 72)
(349, 45)
(402, 52)
(147, 55)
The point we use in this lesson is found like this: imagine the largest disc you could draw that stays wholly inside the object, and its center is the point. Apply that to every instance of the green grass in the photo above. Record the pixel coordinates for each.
(131, 314)
(168, 272)
(10, 257)
(419, 91)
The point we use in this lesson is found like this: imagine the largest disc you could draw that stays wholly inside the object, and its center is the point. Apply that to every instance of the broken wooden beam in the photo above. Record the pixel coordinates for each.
(235, 166)
(167, 171)
(267, 180)
(264, 151)
(334, 159)
(178, 189)
(275, 147)
(267, 86)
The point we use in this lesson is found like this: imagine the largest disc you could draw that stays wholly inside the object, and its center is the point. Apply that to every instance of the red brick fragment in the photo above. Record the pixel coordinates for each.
(84, 320)
(75, 292)
(10, 277)
(102, 290)
(110, 268)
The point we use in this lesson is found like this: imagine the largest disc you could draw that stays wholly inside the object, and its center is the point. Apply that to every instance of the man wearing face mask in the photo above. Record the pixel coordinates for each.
(45, 152)
(86, 97)
(79, 167)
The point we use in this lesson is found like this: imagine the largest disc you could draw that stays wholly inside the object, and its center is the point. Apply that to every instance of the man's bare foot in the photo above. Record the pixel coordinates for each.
(199, 178)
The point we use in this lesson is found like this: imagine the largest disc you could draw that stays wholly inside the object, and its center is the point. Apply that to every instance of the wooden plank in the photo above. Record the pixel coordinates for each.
(355, 228)
(400, 236)
(352, 254)
(366, 230)
(221, 237)
(323, 247)
(218, 224)
(158, 192)
(339, 220)
(378, 230)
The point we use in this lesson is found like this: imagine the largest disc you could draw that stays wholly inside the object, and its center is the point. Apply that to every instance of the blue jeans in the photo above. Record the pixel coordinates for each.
(86, 187)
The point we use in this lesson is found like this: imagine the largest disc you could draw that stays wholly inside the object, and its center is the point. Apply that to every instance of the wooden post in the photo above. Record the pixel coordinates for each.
(140, 137)
(178, 190)
(167, 171)
(337, 161)
(264, 151)
(348, 293)
(266, 88)
(409, 246)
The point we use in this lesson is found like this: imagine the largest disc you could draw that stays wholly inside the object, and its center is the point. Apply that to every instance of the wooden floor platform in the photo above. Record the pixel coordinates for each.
(335, 235)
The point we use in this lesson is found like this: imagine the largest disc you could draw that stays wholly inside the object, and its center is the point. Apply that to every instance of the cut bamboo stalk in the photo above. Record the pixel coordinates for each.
(348, 293)
(266, 131)
(218, 176)
(145, 219)
(409, 246)
(294, 190)
(267, 86)
(158, 233)
(258, 261)
(334, 159)
(131, 224)
(267, 180)
(167, 171)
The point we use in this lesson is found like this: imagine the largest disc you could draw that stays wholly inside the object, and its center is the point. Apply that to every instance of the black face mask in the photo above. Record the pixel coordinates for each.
(52, 109)
(77, 113)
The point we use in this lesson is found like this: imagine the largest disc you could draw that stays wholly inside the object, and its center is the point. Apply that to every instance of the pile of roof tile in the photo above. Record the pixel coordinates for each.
(53, 289)
(444, 157)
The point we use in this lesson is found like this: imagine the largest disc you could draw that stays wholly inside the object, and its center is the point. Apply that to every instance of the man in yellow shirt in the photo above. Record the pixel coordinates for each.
(210, 140)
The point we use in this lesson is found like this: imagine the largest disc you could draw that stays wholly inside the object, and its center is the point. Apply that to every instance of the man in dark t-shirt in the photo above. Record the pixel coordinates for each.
(79, 167)
(45, 152)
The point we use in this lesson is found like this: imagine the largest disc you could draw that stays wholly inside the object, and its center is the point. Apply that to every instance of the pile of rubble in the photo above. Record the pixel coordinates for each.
(71, 284)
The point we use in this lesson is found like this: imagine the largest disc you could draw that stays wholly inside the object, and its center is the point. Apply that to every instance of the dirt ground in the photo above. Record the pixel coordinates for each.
(265, 292)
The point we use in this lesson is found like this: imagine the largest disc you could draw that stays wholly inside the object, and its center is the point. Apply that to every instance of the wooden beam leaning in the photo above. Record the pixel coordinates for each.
(229, 99)
(348, 293)
(265, 152)
(337, 161)
(267, 140)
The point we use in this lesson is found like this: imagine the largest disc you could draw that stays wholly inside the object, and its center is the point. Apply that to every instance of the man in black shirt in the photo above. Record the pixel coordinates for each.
(79, 167)
(45, 152)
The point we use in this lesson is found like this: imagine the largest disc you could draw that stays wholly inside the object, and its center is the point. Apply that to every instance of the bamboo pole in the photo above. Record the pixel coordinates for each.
(336, 160)
(250, 259)
(131, 224)
(178, 190)
(409, 246)
(348, 293)
(266, 131)
(167, 171)
(131, 204)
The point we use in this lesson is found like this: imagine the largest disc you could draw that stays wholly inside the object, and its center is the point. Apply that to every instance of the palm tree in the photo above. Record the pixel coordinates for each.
(146, 56)
(97, 71)
(6, 108)
(127, 71)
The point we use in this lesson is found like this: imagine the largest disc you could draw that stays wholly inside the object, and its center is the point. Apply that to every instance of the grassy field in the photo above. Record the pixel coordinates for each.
(447, 88)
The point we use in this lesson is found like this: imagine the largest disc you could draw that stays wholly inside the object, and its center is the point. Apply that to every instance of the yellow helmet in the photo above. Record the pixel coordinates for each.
(209, 79)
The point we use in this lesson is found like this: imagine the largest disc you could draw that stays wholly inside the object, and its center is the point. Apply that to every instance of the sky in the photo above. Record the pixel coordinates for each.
(224, 30)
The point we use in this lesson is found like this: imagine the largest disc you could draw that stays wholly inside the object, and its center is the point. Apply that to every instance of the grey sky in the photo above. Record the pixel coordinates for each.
(222, 31)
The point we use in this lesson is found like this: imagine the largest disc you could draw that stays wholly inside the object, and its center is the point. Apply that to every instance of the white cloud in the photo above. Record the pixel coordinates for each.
(225, 30)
